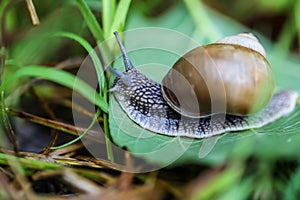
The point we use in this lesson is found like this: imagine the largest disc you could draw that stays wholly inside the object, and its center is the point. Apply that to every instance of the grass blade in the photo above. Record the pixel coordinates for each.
(91, 20)
(60, 77)
(108, 13)
(120, 16)
(82, 135)
(90, 50)
(202, 19)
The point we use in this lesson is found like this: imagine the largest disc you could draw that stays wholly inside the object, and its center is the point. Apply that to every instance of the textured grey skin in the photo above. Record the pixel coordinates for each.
(143, 102)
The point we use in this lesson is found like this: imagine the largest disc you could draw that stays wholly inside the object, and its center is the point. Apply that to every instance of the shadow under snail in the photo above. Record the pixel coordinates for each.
(236, 65)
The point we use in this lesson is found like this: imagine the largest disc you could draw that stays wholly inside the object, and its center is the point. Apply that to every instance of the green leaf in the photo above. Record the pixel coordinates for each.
(284, 132)
(278, 139)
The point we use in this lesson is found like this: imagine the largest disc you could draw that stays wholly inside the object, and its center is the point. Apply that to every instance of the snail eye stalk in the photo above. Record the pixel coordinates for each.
(127, 62)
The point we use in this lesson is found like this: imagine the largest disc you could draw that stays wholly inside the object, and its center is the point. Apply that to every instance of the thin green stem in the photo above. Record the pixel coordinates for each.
(82, 135)
(3, 5)
(120, 16)
(91, 20)
(92, 53)
(201, 19)
(7, 124)
(28, 163)
(285, 39)
(108, 13)
(110, 155)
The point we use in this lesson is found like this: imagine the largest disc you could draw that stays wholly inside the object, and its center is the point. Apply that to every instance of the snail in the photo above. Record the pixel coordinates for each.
(235, 65)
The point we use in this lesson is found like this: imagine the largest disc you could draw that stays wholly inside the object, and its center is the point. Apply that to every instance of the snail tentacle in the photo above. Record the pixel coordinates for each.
(127, 62)
(121, 75)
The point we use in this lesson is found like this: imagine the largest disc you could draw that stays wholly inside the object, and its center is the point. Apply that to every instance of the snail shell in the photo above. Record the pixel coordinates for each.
(237, 63)
(142, 98)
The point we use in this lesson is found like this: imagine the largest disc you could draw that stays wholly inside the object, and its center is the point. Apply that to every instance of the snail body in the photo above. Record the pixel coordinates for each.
(166, 108)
